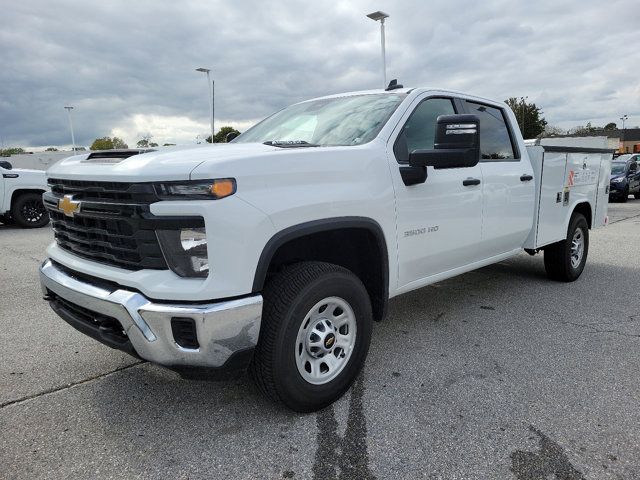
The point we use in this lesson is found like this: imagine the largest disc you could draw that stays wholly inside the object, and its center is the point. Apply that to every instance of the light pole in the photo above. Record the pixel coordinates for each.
(522, 113)
(211, 85)
(624, 119)
(381, 16)
(73, 140)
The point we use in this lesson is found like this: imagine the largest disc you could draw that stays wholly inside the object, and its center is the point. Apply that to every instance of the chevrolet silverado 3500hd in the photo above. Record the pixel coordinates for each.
(277, 251)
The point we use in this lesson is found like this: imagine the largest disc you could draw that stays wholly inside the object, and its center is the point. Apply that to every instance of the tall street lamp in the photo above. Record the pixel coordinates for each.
(381, 16)
(524, 100)
(211, 85)
(73, 140)
(624, 119)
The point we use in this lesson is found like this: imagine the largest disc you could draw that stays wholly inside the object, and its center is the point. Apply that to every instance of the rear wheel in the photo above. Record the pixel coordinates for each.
(565, 260)
(636, 196)
(28, 211)
(315, 335)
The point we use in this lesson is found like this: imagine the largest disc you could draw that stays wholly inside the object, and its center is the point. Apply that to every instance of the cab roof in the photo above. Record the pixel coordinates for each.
(407, 91)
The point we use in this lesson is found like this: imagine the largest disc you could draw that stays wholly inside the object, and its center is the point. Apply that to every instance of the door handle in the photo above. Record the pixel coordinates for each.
(526, 178)
(471, 181)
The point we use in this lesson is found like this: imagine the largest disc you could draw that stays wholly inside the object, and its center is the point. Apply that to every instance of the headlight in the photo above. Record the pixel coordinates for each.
(196, 190)
(185, 251)
(617, 180)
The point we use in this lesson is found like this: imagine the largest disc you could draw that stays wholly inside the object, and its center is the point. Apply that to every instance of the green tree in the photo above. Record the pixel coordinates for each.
(108, 143)
(153, 144)
(51, 149)
(611, 126)
(551, 130)
(144, 142)
(221, 136)
(529, 117)
(7, 152)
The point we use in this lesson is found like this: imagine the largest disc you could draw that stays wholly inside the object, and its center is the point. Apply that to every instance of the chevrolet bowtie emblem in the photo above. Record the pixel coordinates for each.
(68, 205)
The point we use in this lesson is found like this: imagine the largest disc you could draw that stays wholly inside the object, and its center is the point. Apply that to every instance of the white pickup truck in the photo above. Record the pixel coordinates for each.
(21, 196)
(277, 251)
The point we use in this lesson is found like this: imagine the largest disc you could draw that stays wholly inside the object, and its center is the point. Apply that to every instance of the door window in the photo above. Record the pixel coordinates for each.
(420, 130)
(495, 141)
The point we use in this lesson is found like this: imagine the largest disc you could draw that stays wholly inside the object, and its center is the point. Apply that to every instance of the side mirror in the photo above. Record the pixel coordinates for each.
(457, 144)
(6, 165)
(230, 136)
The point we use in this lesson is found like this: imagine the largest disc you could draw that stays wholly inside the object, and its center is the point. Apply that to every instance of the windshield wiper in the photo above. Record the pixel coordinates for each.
(290, 143)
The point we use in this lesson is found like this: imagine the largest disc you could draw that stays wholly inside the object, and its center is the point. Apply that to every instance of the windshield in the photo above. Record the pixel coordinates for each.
(622, 158)
(352, 120)
(618, 168)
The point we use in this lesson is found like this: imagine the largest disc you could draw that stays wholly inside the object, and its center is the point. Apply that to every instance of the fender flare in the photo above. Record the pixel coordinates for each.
(323, 225)
(11, 193)
(573, 210)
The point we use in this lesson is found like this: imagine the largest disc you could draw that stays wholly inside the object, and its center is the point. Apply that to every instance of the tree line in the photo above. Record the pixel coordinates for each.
(111, 143)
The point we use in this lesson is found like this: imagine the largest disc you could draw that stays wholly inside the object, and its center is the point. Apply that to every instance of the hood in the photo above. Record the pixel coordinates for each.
(26, 171)
(617, 175)
(165, 164)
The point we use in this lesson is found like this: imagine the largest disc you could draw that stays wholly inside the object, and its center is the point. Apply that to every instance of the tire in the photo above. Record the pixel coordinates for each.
(290, 300)
(625, 195)
(636, 196)
(28, 211)
(558, 261)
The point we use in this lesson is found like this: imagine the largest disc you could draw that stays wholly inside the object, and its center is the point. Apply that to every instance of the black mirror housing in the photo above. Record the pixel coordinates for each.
(6, 165)
(457, 144)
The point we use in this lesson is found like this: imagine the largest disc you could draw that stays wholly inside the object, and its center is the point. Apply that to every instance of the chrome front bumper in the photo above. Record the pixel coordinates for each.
(223, 328)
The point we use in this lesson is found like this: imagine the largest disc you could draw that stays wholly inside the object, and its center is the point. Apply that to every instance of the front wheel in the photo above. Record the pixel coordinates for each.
(28, 211)
(315, 335)
(565, 260)
(625, 195)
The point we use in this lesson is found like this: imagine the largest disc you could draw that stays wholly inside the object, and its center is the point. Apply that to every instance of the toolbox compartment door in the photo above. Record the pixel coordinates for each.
(602, 203)
(552, 208)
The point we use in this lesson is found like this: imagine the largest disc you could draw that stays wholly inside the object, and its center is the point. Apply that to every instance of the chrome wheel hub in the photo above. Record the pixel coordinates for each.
(577, 248)
(325, 340)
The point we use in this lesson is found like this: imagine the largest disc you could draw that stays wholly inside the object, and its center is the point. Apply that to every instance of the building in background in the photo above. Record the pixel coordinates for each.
(623, 141)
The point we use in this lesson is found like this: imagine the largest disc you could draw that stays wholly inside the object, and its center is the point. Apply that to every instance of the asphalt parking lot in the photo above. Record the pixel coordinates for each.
(499, 373)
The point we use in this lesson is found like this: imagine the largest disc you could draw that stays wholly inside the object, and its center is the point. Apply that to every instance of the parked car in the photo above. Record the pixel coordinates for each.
(21, 196)
(625, 178)
(277, 251)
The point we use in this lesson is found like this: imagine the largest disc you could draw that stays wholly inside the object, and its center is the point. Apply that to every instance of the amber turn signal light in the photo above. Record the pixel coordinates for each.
(223, 187)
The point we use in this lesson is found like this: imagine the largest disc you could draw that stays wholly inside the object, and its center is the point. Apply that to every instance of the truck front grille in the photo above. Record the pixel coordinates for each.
(114, 225)
(143, 193)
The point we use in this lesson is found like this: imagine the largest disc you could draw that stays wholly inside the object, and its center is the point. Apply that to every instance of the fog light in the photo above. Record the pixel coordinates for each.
(185, 251)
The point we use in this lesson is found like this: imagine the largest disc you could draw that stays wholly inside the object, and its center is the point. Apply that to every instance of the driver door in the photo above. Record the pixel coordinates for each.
(439, 220)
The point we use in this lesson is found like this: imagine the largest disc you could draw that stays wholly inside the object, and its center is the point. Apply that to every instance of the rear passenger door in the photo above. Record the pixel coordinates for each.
(508, 186)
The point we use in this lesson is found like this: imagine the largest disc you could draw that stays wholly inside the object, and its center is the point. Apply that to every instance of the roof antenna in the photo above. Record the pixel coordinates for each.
(394, 85)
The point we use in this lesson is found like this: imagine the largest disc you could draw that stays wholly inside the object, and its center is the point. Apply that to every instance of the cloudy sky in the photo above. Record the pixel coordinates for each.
(128, 67)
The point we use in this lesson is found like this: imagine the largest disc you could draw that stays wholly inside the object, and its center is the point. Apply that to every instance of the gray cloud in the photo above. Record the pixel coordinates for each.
(130, 66)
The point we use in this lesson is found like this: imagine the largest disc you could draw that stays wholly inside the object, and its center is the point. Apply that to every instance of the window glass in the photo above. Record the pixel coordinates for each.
(350, 120)
(618, 168)
(495, 141)
(420, 130)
